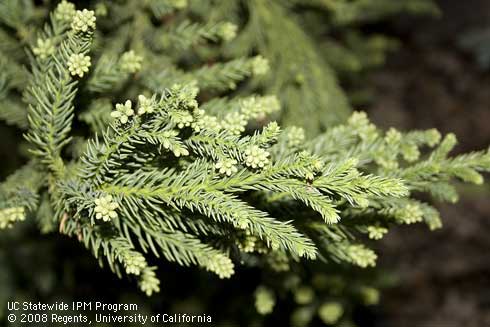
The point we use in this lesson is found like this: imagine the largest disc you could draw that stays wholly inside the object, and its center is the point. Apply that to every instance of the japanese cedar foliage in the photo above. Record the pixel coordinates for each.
(145, 142)
(312, 46)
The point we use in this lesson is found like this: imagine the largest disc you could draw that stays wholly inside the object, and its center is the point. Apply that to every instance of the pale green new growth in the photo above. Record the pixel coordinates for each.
(167, 163)
(44, 48)
(330, 312)
(83, 21)
(9, 216)
(256, 157)
(123, 112)
(78, 64)
(105, 208)
(130, 62)
(264, 300)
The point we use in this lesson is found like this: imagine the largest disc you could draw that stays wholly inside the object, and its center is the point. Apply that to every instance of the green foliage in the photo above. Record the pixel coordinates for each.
(145, 144)
(312, 46)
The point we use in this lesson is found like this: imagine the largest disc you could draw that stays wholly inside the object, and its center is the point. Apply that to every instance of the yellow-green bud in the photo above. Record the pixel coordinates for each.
(105, 208)
(10, 215)
(227, 31)
(376, 232)
(145, 105)
(295, 136)
(149, 283)
(134, 264)
(83, 21)
(370, 295)
(256, 157)
(78, 64)
(361, 256)
(330, 312)
(130, 62)
(123, 112)
(260, 66)
(265, 300)
(226, 166)
(65, 11)
(304, 295)
(221, 265)
(44, 48)
(234, 123)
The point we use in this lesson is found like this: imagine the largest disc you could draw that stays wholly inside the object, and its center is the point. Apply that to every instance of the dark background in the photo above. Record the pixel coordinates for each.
(432, 81)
